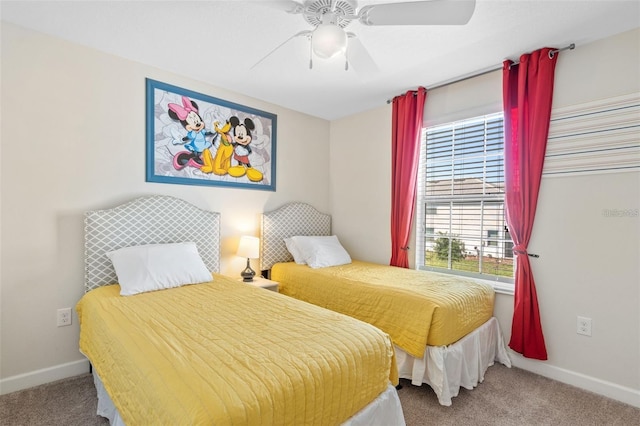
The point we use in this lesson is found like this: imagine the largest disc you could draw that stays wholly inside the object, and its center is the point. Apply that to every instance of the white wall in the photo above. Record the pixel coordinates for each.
(73, 139)
(588, 264)
(361, 184)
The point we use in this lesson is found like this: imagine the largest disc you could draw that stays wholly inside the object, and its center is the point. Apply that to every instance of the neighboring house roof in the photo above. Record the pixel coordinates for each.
(465, 186)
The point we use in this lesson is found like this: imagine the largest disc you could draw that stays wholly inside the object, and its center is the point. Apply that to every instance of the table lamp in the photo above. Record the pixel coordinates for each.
(249, 247)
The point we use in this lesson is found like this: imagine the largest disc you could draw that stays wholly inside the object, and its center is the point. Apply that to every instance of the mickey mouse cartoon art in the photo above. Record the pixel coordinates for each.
(196, 140)
(241, 133)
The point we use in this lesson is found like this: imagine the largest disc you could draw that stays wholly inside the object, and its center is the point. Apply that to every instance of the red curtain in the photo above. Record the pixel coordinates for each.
(408, 111)
(527, 94)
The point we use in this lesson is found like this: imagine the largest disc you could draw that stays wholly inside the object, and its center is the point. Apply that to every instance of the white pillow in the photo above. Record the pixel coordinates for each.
(158, 266)
(319, 252)
(293, 249)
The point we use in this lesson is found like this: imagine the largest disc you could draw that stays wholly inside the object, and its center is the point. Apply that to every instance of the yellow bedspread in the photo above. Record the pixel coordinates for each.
(416, 308)
(227, 353)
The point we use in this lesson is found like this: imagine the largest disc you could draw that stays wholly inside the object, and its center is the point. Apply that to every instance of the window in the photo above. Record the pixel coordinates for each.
(461, 200)
(429, 234)
(492, 237)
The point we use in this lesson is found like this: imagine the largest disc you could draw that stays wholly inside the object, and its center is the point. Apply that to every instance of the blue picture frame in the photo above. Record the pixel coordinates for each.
(196, 139)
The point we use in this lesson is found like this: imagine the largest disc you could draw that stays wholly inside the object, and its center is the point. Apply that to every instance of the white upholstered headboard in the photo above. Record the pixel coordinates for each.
(156, 219)
(284, 222)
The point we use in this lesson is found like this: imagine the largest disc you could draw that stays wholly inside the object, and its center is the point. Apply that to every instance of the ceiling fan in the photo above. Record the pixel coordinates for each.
(329, 18)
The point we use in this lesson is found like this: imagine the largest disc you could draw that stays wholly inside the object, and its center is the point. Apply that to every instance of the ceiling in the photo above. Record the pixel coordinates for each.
(219, 42)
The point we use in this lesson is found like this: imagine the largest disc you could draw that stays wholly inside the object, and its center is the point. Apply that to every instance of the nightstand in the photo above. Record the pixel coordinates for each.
(263, 283)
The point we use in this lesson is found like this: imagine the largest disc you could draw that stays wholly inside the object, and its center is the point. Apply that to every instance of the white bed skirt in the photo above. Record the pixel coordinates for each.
(462, 364)
(385, 410)
(106, 408)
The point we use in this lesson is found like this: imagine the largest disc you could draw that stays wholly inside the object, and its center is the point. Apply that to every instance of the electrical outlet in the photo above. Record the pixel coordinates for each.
(64, 317)
(584, 326)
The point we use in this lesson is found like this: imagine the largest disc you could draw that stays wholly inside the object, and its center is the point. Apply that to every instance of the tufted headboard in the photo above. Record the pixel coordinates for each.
(284, 222)
(156, 219)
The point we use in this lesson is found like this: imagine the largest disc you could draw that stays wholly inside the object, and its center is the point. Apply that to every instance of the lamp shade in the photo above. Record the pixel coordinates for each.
(249, 247)
(328, 40)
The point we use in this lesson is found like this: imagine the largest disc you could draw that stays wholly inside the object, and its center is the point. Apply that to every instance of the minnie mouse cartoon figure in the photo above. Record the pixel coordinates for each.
(196, 140)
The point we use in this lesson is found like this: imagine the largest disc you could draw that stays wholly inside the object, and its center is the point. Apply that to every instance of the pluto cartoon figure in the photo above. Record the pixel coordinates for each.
(224, 152)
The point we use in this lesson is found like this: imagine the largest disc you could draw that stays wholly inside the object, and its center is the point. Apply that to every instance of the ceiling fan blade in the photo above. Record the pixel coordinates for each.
(301, 33)
(430, 12)
(288, 6)
(359, 57)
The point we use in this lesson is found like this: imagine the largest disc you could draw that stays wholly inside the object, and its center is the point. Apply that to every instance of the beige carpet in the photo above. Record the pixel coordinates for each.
(506, 397)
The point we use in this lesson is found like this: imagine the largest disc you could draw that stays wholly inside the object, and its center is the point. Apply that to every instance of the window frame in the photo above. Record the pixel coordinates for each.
(425, 204)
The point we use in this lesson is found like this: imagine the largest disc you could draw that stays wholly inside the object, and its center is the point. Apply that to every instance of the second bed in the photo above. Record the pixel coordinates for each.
(441, 325)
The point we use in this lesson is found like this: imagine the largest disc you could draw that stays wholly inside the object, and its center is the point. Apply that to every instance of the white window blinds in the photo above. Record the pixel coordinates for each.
(461, 199)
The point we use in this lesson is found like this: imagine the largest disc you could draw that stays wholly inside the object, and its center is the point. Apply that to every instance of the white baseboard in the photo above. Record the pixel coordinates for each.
(601, 387)
(45, 375)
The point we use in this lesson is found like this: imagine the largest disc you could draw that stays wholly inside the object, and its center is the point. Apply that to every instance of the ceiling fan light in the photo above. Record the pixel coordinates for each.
(328, 40)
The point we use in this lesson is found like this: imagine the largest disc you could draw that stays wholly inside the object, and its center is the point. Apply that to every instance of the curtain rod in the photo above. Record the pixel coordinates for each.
(552, 53)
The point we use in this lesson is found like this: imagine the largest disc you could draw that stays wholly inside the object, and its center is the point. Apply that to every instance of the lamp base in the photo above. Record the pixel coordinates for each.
(248, 273)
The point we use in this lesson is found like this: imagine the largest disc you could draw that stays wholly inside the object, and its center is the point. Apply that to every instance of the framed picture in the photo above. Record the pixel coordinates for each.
(195, 139)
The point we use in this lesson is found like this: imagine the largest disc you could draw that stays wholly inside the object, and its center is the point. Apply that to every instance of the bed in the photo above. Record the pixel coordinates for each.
(441, 325)
(216, 351)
